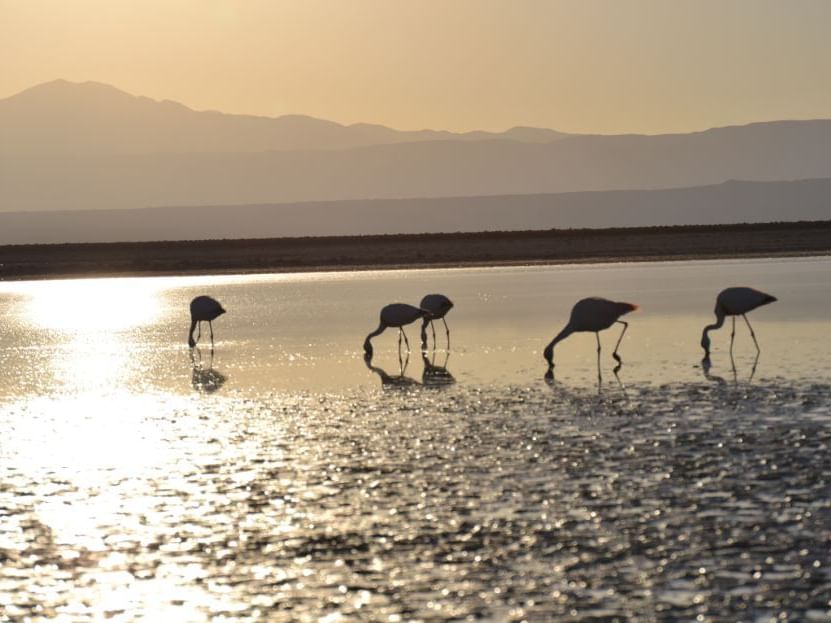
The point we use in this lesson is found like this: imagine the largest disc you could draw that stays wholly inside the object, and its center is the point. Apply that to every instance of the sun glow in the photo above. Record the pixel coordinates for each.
(91, 305)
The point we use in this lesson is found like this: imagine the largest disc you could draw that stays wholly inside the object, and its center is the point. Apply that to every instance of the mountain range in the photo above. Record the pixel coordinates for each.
(76, 147)
(94, 118)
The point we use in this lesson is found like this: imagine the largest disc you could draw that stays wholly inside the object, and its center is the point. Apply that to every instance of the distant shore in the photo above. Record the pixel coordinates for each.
(416, 251)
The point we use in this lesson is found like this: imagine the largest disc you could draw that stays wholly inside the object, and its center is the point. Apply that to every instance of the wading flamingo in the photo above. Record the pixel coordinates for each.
(394, 315)
(203, 308)
(437, 305)
(592, 314)
(735, 302)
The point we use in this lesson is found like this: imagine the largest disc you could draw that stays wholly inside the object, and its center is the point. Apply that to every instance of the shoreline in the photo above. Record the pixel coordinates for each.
(415, 251)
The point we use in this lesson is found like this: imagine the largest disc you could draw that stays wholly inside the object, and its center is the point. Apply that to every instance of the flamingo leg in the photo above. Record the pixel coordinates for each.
(447, 331)
(752, 334)
(433, 329)
(406, 341)
(614, 354)
(732, 335)
(211, 327)
(599, 377)
(198, 330)
(753, 370)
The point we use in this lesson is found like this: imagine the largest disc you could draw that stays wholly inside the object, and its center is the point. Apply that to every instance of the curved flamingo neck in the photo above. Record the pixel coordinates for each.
(705, 338)
(378, 331)
(549, 350)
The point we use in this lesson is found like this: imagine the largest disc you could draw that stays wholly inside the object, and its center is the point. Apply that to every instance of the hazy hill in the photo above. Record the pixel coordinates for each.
(90, 146)
(761, 152)
(93, 118)
(729, 202)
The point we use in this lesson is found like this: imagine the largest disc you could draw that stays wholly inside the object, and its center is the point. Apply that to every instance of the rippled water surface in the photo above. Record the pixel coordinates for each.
(281, 478)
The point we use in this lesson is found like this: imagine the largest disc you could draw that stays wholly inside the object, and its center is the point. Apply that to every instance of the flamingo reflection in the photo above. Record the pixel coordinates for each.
(434, 375)
(390, 381)
(204, 378)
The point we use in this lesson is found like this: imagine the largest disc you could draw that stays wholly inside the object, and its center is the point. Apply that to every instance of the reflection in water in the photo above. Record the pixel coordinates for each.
(706, 366)
(494, 499)
(204, 378)
(550, 380)
(435, 375)
(389, 381)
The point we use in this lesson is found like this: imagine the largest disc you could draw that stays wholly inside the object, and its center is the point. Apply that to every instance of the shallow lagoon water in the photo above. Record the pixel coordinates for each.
(280, 478)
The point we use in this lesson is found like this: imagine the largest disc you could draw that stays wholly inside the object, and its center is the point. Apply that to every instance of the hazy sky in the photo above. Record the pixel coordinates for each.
(575, 65)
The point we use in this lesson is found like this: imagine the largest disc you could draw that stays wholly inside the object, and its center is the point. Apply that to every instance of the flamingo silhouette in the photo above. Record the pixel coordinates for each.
(592, 314)
(735, 302)
(437, 306)
(203, 308)
(395, 315)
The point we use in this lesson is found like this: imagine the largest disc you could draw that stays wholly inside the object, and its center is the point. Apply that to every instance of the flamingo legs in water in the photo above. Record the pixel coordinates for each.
(446, 331)
(614, 354)
(752, 334)
(406, 341)
(211, 326)
(198, 330)
(732, 335)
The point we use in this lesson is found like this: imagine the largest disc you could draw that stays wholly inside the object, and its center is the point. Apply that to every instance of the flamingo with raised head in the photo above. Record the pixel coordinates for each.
(592, 314)
(735, 302)
(395, 315)
(203, 308)
(437, 306)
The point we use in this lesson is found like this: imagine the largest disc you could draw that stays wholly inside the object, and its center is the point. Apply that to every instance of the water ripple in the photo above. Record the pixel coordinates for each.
(542, 502)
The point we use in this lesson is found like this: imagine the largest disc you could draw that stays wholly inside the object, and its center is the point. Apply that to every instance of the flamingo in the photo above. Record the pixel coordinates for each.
(203, 308)
(735, 302)
(592, 314)
(437, 305)
(394, 315)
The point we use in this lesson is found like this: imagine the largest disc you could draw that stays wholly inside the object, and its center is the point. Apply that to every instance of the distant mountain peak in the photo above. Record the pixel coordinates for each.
(92, 117)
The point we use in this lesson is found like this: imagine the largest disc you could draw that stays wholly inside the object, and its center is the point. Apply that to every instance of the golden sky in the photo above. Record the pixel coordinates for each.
(606, 66)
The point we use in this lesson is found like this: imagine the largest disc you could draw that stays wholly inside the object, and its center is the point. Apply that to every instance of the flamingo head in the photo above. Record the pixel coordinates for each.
(705, 344)
(548, 353)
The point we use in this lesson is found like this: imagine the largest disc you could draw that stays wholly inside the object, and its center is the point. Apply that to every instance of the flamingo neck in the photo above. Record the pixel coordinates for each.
(190, 334)
(705, 338)
(424, 323)
(548, 353)
(367, 343)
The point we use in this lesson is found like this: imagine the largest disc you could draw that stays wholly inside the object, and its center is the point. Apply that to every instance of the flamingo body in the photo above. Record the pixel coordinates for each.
(591, 314)
(203, 308)
(436, 306)
(736, 301)
(395, 315)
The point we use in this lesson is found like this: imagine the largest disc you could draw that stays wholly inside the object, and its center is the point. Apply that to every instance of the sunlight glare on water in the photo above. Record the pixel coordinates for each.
(90, 305)
(280, 477)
